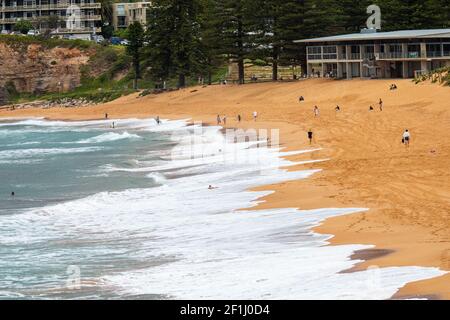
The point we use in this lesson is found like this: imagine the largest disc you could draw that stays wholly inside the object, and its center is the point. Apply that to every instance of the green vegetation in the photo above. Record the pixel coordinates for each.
(21, 43)
(23, 26)
(195, 37)
(135, 35)
(441, 75)
(188, 40)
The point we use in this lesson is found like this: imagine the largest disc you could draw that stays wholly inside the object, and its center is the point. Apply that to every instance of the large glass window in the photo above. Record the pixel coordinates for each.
(314, 53)
(446, 50)
(434, 50)
(330, 52)
(120, 10)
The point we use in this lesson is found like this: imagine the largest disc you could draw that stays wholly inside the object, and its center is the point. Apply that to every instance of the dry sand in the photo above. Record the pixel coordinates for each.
(407, 191)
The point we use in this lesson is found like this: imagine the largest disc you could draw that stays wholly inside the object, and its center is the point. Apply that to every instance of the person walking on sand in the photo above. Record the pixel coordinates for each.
(224, 119)
(239, 118)
(381, 104)
(406, 138)
(106, 116)
(316, 111)
(255, 115)
(310, 136)
(219, 121)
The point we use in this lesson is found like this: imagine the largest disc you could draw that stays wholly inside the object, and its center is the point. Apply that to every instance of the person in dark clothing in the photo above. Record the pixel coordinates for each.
(310, 136)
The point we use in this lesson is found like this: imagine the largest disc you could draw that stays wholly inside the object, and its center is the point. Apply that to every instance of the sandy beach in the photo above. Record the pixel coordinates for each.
(406, 190)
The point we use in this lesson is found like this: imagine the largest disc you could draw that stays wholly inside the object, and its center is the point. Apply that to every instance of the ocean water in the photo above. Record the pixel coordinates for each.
(126, 213)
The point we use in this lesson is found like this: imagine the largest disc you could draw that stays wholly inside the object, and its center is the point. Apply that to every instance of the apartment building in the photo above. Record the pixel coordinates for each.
(372, 54)
(84, 15)
(125, 14)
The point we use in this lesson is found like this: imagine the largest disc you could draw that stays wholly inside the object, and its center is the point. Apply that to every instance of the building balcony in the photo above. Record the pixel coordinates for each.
(78, 30)
(398, 55)
(8, 20)
(62, 18)
(55, 6)
(354, 56)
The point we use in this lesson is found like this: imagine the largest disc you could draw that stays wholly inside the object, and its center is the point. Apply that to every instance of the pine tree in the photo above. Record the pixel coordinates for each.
(135, 35)
(173, 37)
(236, 22)
(211, 46)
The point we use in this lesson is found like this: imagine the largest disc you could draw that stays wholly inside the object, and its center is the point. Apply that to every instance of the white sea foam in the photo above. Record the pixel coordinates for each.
(215, 250)
(26, 153)
(109, 137)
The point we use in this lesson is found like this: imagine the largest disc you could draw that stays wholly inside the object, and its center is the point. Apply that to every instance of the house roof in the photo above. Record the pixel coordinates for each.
(404, 34)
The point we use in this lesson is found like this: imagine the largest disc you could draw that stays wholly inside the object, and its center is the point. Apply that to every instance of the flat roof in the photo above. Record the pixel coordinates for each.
(404, 34)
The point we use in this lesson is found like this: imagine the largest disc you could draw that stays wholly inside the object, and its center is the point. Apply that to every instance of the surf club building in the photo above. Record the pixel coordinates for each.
(377, 55)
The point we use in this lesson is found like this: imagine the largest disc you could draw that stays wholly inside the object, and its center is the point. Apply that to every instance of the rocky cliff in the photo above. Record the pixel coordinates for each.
(33, 68)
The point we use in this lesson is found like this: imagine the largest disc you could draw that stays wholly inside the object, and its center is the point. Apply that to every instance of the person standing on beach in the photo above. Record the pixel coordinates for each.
(406, 138)
(255, 115)
(316, 111)
(106, 116)
(219, 121)
(224, 120)
(239, 118)
(381, 104)
(310, 136)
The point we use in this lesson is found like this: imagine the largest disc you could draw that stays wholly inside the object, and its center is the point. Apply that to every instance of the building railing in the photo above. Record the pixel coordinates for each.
(399, 55)
(78, 30)
(434, 54)
(314, 56)
(329, 56)
(54, 6)
(378, 55)
(8, 20)
(83, 17)
(354, 56)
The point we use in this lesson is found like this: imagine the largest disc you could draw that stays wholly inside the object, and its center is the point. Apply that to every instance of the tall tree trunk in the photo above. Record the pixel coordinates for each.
(275, 63)
(137, 72)
(209, 75)
(240, 44)
(181, 80)
(209, 78)
(241, 70)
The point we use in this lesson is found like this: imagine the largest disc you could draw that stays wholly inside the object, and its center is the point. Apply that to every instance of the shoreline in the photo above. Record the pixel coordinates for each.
(323, 189)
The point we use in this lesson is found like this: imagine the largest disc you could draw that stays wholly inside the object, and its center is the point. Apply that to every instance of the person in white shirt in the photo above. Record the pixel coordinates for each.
(255, 115)
(316, 111)
(406, 138)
